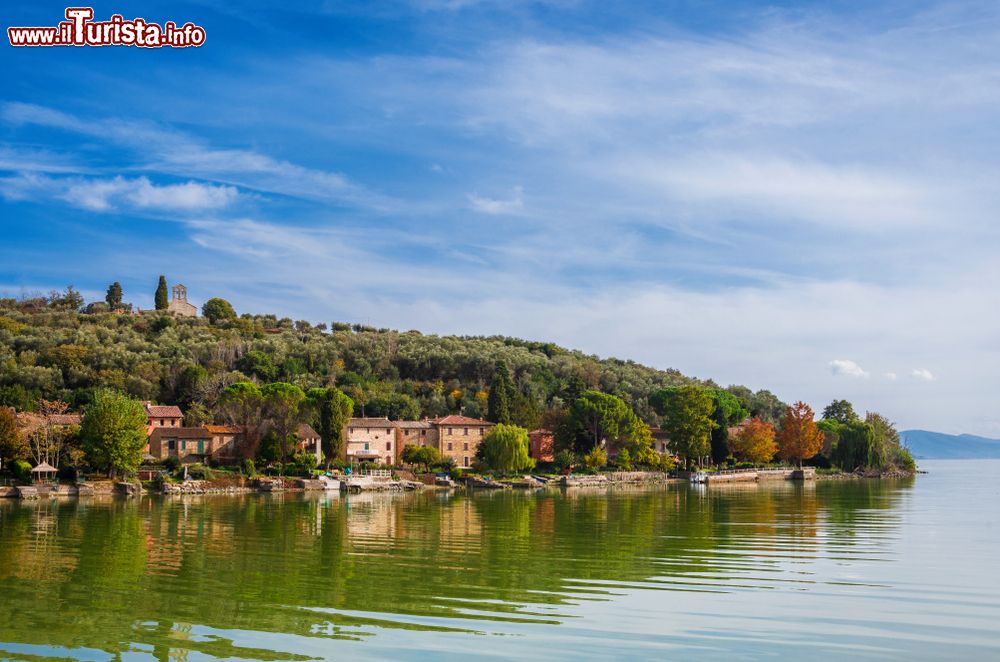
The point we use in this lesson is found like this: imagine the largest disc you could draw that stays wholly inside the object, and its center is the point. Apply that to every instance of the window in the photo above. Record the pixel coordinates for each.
(171, 444)
(350, 430)
(482, 431)
(449, 445)
(184, 445)
(466, 445)
(388, 430)
(366, 445)
(466, 460)
(451, 430)
(388, 445)
(466, 432)
(175, 422)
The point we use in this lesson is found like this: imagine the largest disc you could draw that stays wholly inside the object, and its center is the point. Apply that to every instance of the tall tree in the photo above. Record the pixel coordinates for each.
(841, 411)
(798, 438)
(114, 296)
(283, 412)
(687, 420)
(332, 409)
(12, 444)
(114, 433)
(501, 394)
(754, 442)
(505, 449)
(601, 417)
(242, 404)
(161, 298)
(728, 411)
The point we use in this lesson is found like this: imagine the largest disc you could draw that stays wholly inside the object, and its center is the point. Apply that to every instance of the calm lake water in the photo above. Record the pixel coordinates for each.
(870, 569)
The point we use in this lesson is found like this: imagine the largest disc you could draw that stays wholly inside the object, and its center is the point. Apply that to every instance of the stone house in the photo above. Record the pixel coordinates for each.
(160, 416)
(370, 440)
(179, 303)
(541, 445)
(226, 441)
(185, 443)
(309, 441)
(459, 437)
(414, 433)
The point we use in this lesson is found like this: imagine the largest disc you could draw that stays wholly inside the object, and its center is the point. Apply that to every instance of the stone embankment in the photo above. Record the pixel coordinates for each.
(614, 478)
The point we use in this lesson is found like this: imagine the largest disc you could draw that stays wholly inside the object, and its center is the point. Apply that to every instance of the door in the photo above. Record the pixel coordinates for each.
(201, 447)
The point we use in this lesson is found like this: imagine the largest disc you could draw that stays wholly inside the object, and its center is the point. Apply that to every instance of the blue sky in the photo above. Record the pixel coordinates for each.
(794, 196)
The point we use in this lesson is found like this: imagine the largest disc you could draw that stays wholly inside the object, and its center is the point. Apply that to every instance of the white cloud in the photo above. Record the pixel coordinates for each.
(116, 193)
(496, 206)
(923, 374)
(847, 368)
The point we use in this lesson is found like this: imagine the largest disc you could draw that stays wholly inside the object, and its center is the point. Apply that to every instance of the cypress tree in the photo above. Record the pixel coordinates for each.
(161, 294)
(114, 296)
(501, 395)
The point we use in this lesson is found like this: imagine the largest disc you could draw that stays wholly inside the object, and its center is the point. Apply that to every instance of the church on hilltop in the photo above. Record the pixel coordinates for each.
(179, 303)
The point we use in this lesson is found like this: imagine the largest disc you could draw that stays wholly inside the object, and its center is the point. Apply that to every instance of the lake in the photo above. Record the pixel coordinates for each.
(867, 569)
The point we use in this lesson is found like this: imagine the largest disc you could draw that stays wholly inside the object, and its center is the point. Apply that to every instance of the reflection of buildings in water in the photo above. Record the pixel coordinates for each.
(370, 515)
(460, 520)
(38, 555)
(182, 525)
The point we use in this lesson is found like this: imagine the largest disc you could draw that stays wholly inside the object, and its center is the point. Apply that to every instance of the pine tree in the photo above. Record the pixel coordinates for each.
(114, 296)
(501, 395)
(161, 294)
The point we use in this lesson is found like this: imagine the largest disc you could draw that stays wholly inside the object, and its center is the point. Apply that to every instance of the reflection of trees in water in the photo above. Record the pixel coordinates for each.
(125, 571)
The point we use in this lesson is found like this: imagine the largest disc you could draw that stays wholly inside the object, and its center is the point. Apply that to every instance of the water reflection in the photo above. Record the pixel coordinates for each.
(272, 576)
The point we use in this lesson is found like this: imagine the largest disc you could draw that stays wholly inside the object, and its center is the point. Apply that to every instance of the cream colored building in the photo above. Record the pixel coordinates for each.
(458, 437)
(370, 440)
(179, 303)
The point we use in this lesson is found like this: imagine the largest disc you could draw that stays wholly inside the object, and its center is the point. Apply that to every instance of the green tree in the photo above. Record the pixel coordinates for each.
(728, 410)
(394, 406)
(505, 449)
(855, 442)
(283, 413)
(114, 296)
(113, 432)
(502, 393)
(332, 409)
(601, 417)
(841, 411)
(13, 447)
(160, 298)
(216, 309)
(242, 404)
(687, 420)
(425, 455)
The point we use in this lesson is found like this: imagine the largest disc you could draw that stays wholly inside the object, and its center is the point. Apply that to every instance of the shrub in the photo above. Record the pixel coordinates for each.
(564, 460)
(21, 471)
(597, 458)
(249, 468)
(303, 465)
(171, 463)
(456, 473)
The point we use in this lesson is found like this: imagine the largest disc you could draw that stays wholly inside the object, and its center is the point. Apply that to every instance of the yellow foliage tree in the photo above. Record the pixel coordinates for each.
(754, 442)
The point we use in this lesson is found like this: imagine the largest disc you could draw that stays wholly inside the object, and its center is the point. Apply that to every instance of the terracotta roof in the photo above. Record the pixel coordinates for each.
(541, 431)
(223, 429)
(455, 419)
(370, 422)
(305, 431)
(179, 433)
(64, 419)
(163, 411)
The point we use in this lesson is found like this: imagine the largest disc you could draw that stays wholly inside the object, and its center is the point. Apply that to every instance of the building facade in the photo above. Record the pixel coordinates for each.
(458, 437)
(179, 303)
(309, 441)
(370, 440)
(162, 416)
(186, 444)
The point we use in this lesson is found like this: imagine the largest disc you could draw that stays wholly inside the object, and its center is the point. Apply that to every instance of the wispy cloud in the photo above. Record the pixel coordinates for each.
(497, 206)
(922, 374)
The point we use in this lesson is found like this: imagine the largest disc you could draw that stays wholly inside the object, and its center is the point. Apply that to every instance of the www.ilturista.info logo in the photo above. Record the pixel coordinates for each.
(79, 29)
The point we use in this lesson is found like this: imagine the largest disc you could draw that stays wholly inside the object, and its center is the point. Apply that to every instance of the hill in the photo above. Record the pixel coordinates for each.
(925, 445)
(51, 349)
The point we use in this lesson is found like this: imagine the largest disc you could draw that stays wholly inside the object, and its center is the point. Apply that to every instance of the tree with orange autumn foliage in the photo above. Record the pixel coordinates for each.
(754, 442)
(799, 438)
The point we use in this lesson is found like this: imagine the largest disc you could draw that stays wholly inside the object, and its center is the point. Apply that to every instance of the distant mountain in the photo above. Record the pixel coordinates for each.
(939, 446)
